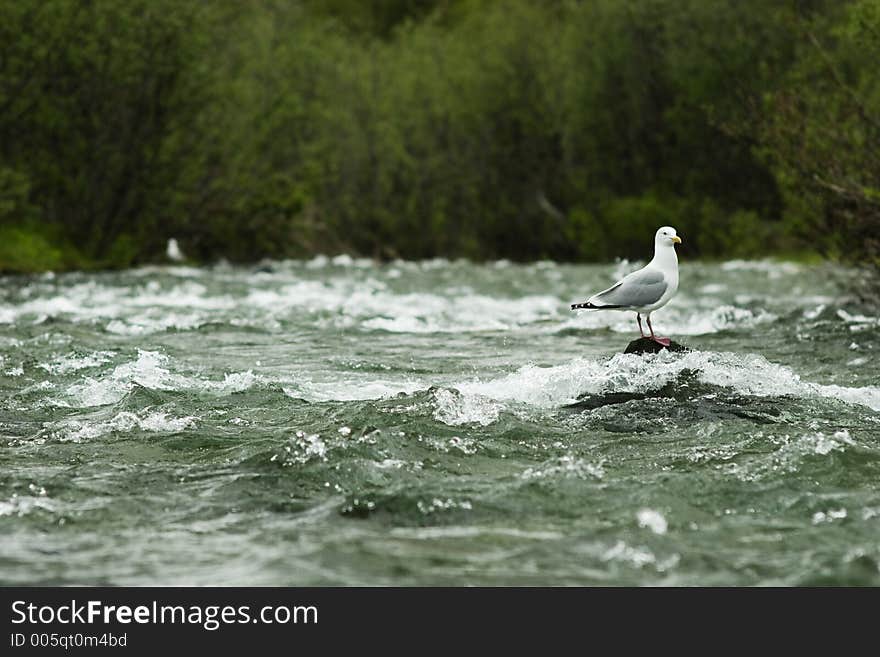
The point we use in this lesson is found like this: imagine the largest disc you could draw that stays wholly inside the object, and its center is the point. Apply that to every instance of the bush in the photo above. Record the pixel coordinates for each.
(477, 128)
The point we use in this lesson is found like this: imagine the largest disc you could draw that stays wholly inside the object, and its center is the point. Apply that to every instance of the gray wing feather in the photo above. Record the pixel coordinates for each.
(641, 288)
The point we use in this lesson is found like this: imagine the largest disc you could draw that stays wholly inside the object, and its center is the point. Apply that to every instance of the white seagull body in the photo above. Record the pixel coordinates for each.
(173, 251)
(647, 289)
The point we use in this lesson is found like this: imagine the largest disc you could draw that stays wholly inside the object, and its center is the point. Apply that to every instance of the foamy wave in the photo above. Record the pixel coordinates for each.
(124, 422)
(639, 556)
(764, 266)
(858, 322)
(404, 297)
(471, 312)
(179, 271)
(455, 409)
(152, 307)
(350, 390)
(868, 396)
(791, 454)
(92, 300)
(370, 304)
(20, 505)
(342, 260)
(232, 382)
(745, 374)
(565, 466)
(653, 520)
(72, 362)
(150, 370)
(146, 325)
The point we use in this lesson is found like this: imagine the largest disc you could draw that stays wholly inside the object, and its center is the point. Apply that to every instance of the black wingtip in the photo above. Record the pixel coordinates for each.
(590, 306)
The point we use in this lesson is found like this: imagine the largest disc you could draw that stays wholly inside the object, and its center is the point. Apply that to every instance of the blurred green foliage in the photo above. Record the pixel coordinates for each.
(417, 128)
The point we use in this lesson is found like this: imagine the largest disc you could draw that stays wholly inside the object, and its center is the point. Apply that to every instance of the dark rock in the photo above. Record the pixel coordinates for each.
(591, 402)
(648, 346)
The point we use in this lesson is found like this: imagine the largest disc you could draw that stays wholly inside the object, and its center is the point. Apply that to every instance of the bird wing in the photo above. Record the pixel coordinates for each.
(641, 288)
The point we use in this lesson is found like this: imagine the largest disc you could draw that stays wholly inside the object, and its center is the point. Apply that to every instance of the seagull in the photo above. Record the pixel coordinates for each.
(647, 289)
(173, 251)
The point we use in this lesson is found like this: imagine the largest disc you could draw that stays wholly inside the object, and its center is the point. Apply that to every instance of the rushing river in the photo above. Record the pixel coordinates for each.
(340, 422)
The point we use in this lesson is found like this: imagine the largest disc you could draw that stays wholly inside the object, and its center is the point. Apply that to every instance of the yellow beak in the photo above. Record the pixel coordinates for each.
(676, 239)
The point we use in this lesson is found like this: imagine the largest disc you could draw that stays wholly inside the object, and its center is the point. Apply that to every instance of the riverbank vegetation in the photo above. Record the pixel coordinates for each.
(418, 128)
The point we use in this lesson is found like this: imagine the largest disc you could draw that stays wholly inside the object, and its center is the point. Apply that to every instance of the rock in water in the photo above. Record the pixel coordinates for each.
(648, 346)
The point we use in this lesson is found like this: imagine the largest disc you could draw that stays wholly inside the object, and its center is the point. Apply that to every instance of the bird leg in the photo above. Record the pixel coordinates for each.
(664, 341)
(639, 320)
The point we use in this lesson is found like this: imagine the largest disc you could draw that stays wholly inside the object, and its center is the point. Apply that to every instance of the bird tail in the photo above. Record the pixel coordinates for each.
(588, 305)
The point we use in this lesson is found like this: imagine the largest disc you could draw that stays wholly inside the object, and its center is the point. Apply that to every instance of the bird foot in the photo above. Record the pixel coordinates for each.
(664, 341)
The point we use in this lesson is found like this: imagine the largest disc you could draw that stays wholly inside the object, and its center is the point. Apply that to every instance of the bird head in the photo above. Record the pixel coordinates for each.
(666, 236)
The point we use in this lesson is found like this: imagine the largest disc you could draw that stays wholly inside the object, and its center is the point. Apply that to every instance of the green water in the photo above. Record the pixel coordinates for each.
(340, 422)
